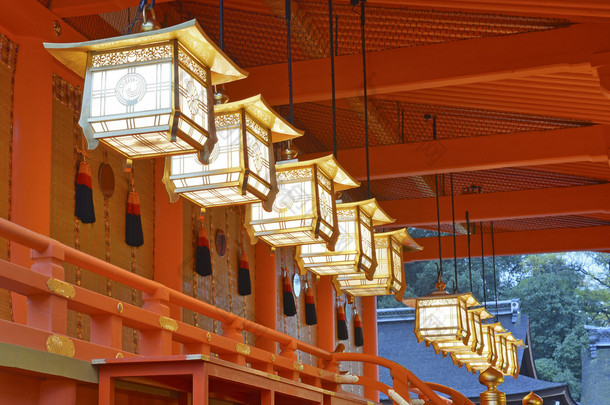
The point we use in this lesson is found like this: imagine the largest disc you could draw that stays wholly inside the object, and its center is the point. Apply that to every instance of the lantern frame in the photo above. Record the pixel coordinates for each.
(355, 250)
(389, 276)
(304, 210)
(150, 94)
(242, 164)
(476, 340)
(480, 362)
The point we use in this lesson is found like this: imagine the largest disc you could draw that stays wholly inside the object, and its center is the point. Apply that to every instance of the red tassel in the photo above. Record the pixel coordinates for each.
(203, 261)
(311, 317)
(290, 308)
(133, 221)
(358, 335)
(244, 285)
(83, 207)
(341, 324)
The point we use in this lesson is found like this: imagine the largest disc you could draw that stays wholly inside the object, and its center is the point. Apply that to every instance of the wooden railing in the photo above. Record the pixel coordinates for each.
(50, 297)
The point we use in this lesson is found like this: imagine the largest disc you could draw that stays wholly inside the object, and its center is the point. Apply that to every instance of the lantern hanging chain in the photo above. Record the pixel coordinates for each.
(438, 210)
(493, 260)
(289, 58)
(221, 29)
(129, 27)
(332, 75)
(455, 286)
(483, 266)
(469, 257)
(366, 110)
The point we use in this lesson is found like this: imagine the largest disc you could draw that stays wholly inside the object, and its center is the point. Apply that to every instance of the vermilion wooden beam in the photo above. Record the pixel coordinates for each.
(516, 243)
(430, 66)
(506, 205)
(583, 144)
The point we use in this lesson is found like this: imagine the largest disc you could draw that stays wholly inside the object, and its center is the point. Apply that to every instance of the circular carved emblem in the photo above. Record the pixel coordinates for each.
(130, 89)
(192, 97)
(283, 201)
(257, 158)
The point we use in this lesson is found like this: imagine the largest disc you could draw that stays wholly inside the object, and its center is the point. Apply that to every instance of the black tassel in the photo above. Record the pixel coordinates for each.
(203, 261)
(244, 285)
(133, 222)
(290, 308)
(358, 336)
(311, 317)
(341, 324)
(83, 207)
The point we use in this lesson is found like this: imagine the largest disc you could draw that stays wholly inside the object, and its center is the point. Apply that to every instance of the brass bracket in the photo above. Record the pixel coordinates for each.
(61, 288)
(298, 366)
(61, 345)
(242, 349)
(274, 377)
(168, 323)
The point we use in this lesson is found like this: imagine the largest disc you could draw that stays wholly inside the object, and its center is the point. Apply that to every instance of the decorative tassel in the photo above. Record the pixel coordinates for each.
(203, 261)
(244, 285)
(358, 336)
(133, 221)
(310, 308)
(290, 308)
(83, 209)
(341, 323)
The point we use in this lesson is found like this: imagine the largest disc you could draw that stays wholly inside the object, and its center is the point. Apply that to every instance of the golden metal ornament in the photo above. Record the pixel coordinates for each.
(354, 251)
(298, 366)
(304, 210)
(532, 399)
(168, 323)
(241, 168)
(150, 94)
(389, 275)
(61, 288)
(61, 345)
(242, 349)
(491, 378)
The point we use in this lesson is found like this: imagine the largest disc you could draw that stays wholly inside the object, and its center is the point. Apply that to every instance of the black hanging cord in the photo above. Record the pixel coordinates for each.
(129, 27)
(438, 210)
(332, 74)
(221, 17)
(469, 258)
(493, 258)
(455, 290)
(483, 266)
(289, 56)
(366, 110)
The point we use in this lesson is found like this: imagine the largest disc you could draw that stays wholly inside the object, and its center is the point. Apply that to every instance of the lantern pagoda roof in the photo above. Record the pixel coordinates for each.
(329, 164)
(189, 34)
(409, 245)
(281, 129)
(372, 207)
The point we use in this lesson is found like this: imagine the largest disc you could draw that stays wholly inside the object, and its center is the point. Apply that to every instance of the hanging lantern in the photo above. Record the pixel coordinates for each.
(475, 340)
(513, 357)
(442, 317)
(304, 210)
(389, 275)
(355, 250)
(150, 94)
(241, 168)
(480, 362)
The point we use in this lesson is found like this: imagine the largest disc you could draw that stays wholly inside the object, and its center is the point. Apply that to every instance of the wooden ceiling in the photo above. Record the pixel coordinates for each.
(519, 89)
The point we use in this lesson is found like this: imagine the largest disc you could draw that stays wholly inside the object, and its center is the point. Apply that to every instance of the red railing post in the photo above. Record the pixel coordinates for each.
(158, 341)
(233, 330)
(50, 311)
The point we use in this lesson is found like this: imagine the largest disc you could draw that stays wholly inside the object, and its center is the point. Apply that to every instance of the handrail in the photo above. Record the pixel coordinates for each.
(41, 243)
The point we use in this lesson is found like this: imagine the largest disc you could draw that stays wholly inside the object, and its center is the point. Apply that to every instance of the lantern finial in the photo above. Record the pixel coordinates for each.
(491, 378)
(440, 284)
(532, 399)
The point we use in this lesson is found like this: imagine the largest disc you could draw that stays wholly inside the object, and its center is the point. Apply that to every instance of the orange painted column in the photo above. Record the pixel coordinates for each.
(32, 126)
(168, 242)
(266, 294)
(57, 391)
(369, 329)
(325, 306)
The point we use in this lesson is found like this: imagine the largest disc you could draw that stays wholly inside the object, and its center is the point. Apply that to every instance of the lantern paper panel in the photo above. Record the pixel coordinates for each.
(389, 275)
(150, 93)
(354, 251)
(304, 210)
(442, 317)
(242, 167)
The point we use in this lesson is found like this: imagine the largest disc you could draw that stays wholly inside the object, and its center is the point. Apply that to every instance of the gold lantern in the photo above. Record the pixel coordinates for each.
(480, 362)
(241, 167)
(475, 341)
(389, 276)
(355, 250)
(512, 355)
(442, 317)
(150, 93)
(304, 210)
